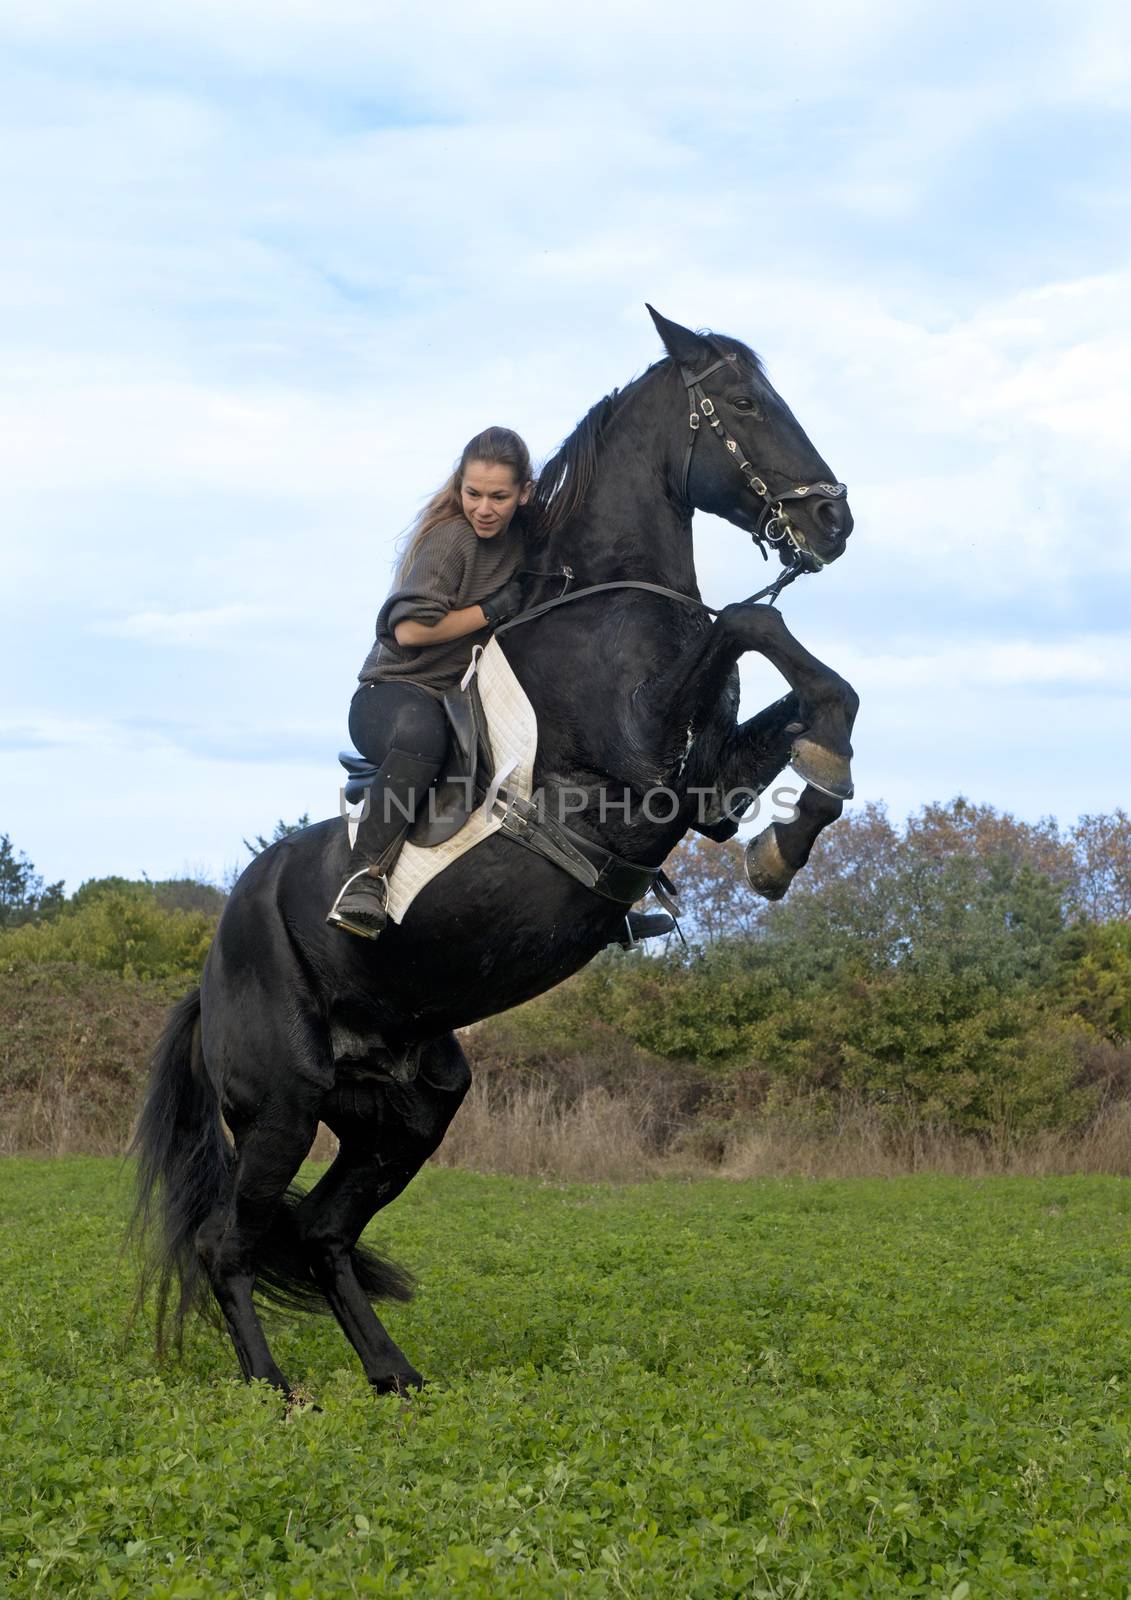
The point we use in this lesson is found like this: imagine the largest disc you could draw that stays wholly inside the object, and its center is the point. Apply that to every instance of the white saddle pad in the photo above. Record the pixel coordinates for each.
(513, 730)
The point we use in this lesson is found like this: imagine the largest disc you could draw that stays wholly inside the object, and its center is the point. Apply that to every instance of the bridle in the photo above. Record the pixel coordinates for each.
(773, 526)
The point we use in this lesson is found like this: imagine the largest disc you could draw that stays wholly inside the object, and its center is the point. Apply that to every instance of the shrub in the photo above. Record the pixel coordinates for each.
(171, 894)
(117, 930)
(1094, 977)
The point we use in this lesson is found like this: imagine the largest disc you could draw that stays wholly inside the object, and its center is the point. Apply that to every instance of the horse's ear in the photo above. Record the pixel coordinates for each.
(685, 347)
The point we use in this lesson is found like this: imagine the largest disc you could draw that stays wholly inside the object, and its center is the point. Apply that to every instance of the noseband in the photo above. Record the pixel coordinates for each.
(773, 526)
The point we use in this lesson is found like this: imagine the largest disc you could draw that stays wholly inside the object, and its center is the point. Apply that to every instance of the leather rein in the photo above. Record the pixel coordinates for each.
(772, 590)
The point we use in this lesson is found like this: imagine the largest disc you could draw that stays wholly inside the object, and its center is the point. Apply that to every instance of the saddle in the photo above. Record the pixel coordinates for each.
(457, 799)
(461, 783)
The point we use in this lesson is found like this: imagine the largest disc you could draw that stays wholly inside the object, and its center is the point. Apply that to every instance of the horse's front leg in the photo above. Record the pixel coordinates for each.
(821, 752)
(668, 710)
(753, 755)
(727, 774)
(776, 855)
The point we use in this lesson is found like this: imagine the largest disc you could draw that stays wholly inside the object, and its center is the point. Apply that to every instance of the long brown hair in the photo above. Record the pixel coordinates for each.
(500, 447)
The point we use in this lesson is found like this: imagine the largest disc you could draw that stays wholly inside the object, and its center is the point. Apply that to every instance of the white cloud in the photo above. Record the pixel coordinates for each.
(449, 53)
(204, 628)
(1084, 663)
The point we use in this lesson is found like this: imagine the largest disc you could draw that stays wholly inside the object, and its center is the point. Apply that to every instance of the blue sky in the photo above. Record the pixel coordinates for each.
(268, 265)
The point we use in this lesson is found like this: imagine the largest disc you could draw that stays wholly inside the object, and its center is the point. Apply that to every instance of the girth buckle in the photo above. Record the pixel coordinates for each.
(517, 814)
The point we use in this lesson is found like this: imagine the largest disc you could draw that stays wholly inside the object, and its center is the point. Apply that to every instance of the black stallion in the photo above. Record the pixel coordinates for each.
(636, 689)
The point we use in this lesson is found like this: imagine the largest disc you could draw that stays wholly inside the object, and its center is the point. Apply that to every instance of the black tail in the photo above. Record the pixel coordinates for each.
(184, 1171)
(184, 1165)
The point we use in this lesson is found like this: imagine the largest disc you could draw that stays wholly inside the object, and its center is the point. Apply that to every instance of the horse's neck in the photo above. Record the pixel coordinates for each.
(583, 685)
(630, 525)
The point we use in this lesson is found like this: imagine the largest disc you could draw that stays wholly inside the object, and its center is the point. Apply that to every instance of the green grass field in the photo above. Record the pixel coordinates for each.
(914, 1387)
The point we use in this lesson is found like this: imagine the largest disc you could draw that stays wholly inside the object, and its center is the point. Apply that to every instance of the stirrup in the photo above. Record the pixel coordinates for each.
(357, 921)
(641, 925)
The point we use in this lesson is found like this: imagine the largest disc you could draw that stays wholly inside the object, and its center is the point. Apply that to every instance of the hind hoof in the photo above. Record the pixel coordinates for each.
(402, 1383)
(767, 871)
(822, 768)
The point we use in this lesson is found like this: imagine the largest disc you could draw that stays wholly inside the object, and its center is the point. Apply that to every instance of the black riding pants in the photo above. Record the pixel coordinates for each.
(401, 717)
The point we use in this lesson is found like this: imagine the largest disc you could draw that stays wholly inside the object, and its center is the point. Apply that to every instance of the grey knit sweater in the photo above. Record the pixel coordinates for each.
(453, 568)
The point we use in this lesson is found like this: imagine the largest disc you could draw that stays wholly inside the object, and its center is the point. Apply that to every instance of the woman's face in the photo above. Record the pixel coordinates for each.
(490, 495)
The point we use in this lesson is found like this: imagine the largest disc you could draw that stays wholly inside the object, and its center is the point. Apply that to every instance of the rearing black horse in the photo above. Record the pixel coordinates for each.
(294, 1022)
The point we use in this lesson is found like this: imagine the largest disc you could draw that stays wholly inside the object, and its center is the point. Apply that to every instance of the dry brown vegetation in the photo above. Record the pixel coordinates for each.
(866, 1145)
(532, 1129)
(73, 1047)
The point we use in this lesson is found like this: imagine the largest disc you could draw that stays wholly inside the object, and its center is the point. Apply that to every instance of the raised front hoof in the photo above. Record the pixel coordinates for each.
(823, 768)
(402, 1383)
(767, 871)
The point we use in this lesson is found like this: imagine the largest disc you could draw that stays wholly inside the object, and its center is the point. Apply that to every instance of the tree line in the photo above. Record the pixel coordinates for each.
(967, 969)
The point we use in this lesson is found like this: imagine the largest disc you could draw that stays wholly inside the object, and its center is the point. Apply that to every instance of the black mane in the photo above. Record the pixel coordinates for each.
(567, 476)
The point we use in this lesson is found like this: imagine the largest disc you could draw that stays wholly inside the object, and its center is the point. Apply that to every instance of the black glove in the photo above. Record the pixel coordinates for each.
(504, 604)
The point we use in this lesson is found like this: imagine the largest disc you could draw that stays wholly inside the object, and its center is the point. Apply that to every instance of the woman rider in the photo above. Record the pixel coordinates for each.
(458, 580)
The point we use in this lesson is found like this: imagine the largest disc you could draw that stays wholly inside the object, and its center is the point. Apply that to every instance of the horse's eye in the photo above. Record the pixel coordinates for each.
(745, 405)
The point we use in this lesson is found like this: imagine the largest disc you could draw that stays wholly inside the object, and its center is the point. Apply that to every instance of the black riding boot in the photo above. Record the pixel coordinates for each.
(397, 793)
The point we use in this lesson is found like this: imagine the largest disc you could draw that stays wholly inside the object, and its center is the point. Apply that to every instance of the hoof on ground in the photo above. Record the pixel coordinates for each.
(402, 1383)
(823, 768)
(767, 871)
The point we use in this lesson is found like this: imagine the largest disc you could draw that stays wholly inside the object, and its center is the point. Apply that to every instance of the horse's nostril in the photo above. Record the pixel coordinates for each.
(835, 517)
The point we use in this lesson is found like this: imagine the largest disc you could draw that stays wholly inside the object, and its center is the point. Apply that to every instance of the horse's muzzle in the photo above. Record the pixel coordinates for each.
(822, 529)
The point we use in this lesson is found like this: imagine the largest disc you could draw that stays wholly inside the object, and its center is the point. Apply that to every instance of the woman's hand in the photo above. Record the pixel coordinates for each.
(504, 604)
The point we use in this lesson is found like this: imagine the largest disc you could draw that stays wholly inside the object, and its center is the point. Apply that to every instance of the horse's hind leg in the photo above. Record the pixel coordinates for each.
(380, 1152)
(331, 1220)
(270, 1148)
